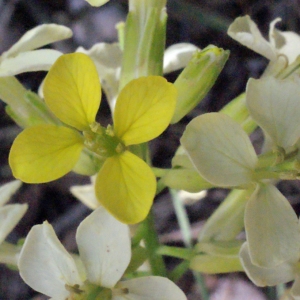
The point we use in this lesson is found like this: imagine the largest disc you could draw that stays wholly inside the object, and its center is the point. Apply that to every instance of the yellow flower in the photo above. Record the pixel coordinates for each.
(125, 185)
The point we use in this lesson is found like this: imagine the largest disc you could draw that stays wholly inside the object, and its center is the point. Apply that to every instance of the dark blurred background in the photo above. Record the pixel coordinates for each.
(199, 22)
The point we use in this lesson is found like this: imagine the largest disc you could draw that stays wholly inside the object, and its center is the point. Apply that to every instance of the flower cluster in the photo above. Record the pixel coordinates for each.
(125, 184)
(62, 134)
(223, 154)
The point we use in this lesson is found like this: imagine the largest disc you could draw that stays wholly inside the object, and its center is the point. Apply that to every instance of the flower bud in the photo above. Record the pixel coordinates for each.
(197, 78)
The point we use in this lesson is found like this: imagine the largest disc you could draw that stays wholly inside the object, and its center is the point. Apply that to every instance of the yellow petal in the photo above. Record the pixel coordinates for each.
(144, 109)
(126, 187)
(72, 90)
(44, 153)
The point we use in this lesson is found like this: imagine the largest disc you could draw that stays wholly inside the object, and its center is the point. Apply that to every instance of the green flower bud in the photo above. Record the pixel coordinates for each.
(197, 78)
(144, 40)
(24, 107)
(217, 257)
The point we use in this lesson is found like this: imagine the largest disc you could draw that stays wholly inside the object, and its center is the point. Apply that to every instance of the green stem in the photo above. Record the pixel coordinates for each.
(265, 174)
(178, 252)
(201, 283)
(179, 270)
(182, 218)
(271, 293)
(144, 40)
(280, 290)
(138, 236)
(152, 245)
(227, 221)
(160, 186)
(159, 172)
(9, 254)
(185, 228)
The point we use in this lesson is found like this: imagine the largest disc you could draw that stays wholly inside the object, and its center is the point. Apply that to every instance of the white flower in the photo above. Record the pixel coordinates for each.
(282, 273)
(105, 252)
(274, 105)
(287, 43)
(22, 57)
(10, 214)
(177, 56)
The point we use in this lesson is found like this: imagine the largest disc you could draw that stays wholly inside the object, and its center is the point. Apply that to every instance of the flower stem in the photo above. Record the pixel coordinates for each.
(185, 228)
(179, 270)
(152, 245)
(9, 254)
(144, 40)
(177, 252)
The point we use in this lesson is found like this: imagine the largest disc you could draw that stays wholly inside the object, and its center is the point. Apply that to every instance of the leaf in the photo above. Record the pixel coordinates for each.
(72, 90)
(126, 187)
(220, 150)
(44, 153)
(144, 109)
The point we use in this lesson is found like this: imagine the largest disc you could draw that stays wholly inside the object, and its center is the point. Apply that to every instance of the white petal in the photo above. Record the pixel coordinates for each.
(104, 246)
(272, 228)
(291, 48)
(287, 43)
(45, 265)
(97, 2)
(38, 60)
(150, 288)
(275, 36)
(275, 105)
(37, 37)
(245, 31)
(177, 56)
(104, 54)
(7, 190)
(220, 150)
(295, 290)
(10, 215)
(267, 276)
(86, 194)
